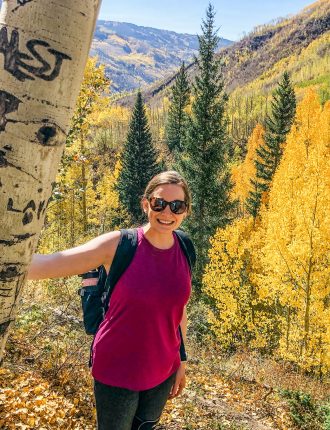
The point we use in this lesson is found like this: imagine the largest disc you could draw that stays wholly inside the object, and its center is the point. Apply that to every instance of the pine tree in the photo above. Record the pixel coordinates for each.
(277, 126)
(177, 117)
(206, 148)
(139, 163)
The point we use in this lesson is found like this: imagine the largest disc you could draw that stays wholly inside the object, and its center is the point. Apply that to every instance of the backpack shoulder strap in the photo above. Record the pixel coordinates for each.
(187, 247)
(124, 255)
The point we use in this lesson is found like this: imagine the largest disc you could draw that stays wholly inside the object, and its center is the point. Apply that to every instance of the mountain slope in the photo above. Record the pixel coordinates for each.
(135, 56)
(263, 49)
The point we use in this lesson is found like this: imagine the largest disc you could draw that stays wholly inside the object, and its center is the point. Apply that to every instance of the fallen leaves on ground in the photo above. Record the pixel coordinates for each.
(29, 402)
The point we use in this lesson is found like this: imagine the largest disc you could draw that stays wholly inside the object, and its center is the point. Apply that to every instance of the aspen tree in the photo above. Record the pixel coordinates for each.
(244, 174)
(297, 251)
(43, 51)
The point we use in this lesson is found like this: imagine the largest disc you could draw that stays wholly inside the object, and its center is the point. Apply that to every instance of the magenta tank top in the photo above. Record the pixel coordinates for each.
(137, 344)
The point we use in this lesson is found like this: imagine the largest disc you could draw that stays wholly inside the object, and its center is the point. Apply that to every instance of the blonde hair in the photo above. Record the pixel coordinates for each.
(169, 177)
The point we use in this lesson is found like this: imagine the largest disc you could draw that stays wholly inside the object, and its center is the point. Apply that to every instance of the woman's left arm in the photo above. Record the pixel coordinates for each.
(180, 379)
(183, 324)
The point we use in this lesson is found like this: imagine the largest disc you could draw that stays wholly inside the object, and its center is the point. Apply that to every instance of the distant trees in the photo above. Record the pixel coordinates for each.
(93, 89)
(139, 162)
(243, 174)
(177, 116)
(204, 156)
(277, 126)
(84, 201)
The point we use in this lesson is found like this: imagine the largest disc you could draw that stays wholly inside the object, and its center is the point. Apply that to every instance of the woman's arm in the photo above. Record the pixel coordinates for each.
(96, 252)
(180, 378)
(184, 324)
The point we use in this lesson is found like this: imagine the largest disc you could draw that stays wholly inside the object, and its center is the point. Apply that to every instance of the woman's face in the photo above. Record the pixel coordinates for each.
(165, 220)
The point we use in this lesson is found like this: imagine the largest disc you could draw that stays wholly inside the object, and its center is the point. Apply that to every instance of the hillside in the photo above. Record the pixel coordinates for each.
(255, 55)
(135, 56)
(46, 382)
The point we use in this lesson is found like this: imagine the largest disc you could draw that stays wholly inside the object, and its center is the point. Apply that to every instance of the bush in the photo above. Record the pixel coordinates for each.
(305, 412)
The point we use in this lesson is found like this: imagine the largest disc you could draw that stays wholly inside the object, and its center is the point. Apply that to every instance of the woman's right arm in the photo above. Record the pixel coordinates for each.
(96, 252)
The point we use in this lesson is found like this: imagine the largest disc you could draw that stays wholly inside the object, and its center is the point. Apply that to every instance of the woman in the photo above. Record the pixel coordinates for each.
(136, 363)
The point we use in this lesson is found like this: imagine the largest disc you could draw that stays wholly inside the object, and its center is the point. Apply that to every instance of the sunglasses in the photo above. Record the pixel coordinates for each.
(177, 206)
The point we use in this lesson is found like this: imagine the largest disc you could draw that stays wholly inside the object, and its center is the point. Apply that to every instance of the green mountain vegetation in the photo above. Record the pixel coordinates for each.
(269, 45)
(253, 66)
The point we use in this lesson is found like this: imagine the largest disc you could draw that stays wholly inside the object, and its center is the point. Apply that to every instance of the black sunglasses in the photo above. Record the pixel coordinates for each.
(177, 206)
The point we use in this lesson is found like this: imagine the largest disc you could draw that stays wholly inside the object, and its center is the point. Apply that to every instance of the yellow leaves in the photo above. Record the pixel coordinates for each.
(91, 98)
(226, 280)
(244, 172)
(108, 115)
(30, 403)
(38, 389)
(273, 277)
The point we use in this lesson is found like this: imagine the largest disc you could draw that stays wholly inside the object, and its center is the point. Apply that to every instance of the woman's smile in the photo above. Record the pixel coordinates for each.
(164, 222)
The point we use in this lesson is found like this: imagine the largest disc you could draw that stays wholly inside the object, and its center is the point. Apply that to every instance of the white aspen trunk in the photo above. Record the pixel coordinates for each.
(44, 46)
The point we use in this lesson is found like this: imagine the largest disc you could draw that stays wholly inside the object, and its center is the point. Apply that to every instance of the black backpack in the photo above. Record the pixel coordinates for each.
(95, 298)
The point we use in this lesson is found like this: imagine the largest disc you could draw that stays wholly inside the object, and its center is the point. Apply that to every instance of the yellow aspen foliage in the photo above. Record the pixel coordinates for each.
(244, 172)
(94, 88)
(111, 114)
(110, 213)
(238, 317)
(269, 281)
(70, 219)
(297, 239)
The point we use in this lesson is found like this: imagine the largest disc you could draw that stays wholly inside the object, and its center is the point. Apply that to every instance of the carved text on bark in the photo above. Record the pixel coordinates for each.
(16, 62)
(29, 210)
(8, 104)
(21, 3)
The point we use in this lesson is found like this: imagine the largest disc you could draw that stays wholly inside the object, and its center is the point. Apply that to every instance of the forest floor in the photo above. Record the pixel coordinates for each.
(45, 382)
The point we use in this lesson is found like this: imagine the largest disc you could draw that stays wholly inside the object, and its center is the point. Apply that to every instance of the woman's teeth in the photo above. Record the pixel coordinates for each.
(165, 222)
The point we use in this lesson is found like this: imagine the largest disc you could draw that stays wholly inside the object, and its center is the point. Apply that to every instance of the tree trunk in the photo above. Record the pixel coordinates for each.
(44, 46)
(83, 182)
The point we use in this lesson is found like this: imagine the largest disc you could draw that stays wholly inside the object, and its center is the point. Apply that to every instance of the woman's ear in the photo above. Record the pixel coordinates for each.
(144, 205)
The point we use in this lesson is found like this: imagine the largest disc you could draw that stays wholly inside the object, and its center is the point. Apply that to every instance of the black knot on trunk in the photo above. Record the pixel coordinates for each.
(45, 135)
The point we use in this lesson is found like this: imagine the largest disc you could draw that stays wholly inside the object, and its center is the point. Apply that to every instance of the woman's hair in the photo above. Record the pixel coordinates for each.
(169, 177)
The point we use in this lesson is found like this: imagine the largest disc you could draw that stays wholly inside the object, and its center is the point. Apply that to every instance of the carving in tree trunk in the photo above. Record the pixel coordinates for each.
(43, 50)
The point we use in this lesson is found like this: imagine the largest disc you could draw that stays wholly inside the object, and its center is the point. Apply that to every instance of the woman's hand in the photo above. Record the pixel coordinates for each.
(180, 381)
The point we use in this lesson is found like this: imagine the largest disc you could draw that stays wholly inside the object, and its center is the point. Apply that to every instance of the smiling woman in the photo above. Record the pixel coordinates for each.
(136, 360)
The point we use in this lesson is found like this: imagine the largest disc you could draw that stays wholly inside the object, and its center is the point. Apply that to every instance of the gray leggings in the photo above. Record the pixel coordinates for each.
(122, 409)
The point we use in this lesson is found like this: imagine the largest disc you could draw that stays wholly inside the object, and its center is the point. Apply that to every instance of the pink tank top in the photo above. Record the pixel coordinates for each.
(137, 344)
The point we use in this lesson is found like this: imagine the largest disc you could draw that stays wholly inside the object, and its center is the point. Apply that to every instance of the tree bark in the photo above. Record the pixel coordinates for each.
(44, 46)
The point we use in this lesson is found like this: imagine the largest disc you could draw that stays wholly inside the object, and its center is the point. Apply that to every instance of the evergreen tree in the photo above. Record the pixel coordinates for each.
(177, 117)
(139, 163)
(203, 162)
(277, 126)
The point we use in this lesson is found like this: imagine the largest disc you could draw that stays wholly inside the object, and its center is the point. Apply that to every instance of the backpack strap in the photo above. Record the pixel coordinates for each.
(124, 255)
(187, 247)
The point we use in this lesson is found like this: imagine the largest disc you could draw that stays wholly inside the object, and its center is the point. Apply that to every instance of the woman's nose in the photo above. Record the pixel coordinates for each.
(167, 210)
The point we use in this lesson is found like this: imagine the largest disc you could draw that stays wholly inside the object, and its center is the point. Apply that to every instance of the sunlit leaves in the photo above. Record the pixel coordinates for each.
(270, 280)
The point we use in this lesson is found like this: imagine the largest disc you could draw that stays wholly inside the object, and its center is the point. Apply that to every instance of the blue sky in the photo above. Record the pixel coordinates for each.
(234, 17)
